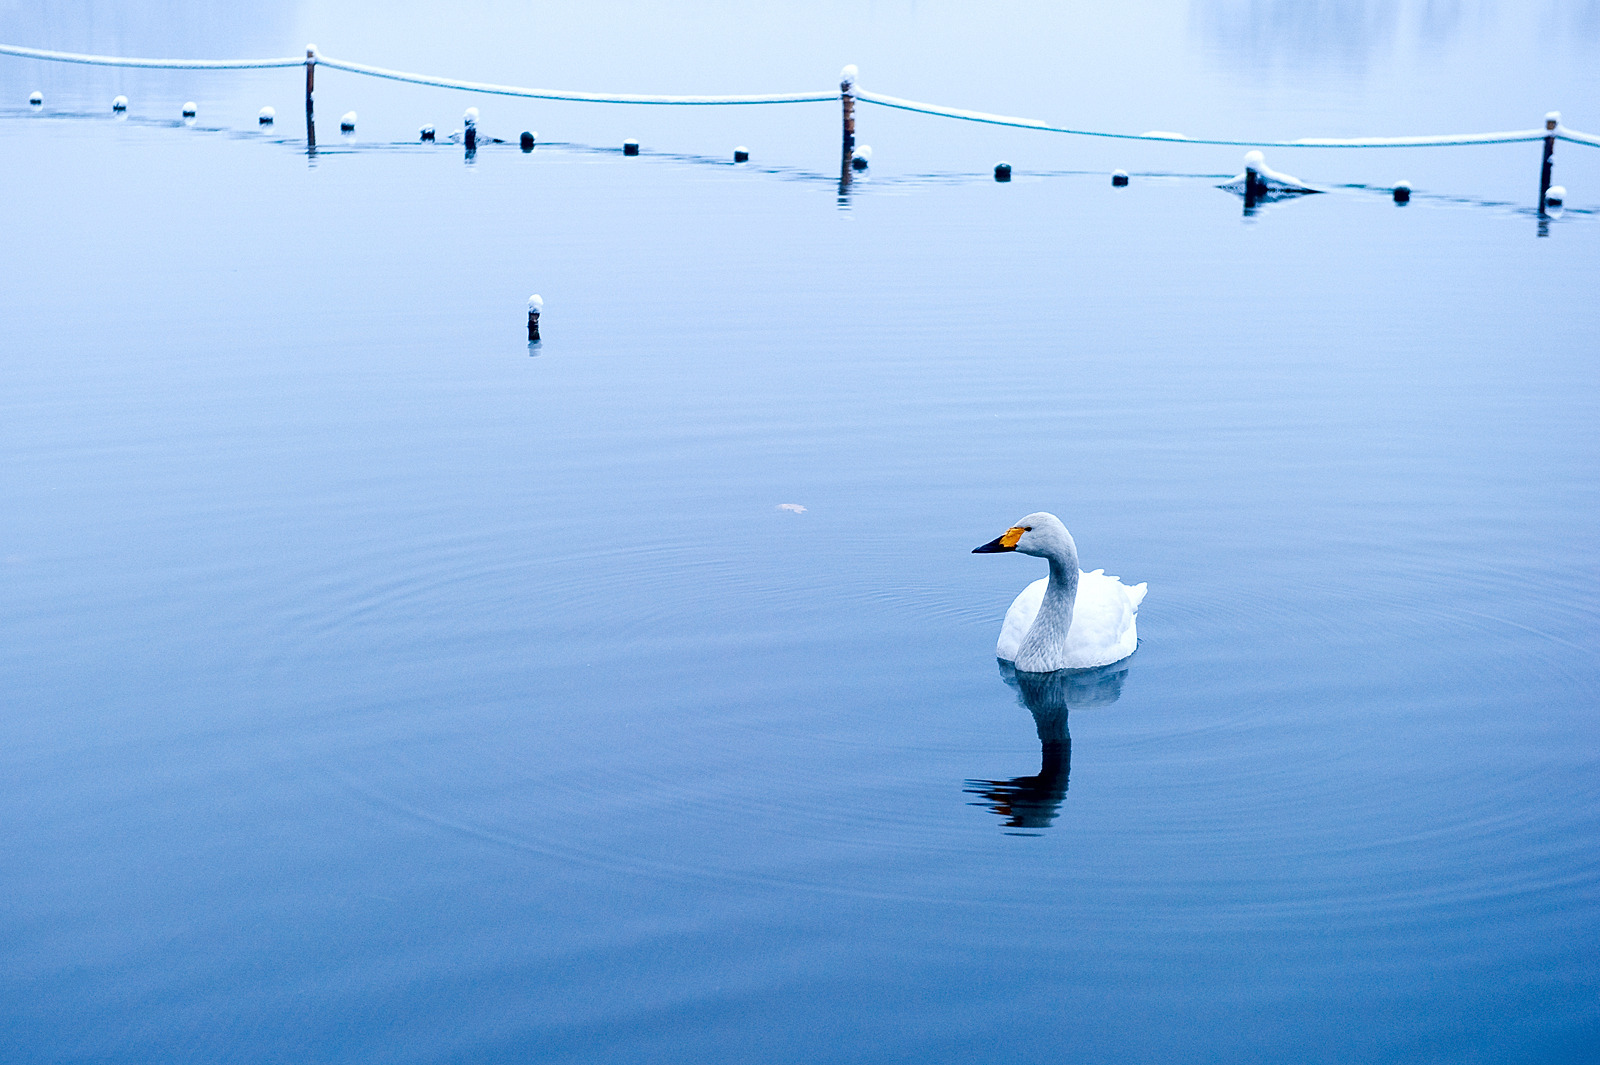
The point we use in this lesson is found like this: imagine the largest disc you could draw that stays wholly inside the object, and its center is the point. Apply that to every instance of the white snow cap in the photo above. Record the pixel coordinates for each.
(1555, 194)
(36, 99)
(849, 74)
(865, 151)
(535, 303)
(189, 108)
(118, 103)
(1403, 185)
(1254, 159)
(311, 49)
(350, 117)
(471, 117)
(267, 112)
(1119, 173)
(1553, 116)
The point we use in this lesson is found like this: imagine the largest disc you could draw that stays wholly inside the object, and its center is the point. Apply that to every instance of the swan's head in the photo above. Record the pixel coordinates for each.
(1038, 534)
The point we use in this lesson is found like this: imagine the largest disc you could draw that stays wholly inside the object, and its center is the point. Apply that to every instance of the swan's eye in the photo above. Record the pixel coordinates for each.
(1027, 528)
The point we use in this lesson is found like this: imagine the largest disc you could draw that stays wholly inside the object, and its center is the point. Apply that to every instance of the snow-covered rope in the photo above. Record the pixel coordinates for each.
(1509, 137)
(562, 94)
(159, 64)
(1505, 137)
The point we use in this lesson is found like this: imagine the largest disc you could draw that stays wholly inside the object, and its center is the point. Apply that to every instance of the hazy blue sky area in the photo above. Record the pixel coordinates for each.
(379, 688)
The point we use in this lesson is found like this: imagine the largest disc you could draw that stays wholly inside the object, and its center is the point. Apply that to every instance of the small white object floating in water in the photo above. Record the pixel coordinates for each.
(1259, 180)
(36, 99)
(1070, 619)
(1555, 196)
(347, 124)
(630, 147)
(119, 103)
(861, 158)
(1402, 192)
(189, 110)
(792, 508)
(741, 154)
(266, 116)
(1119, 178)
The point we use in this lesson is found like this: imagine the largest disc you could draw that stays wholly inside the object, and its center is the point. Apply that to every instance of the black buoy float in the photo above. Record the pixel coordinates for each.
(1402, 192)
(630, 147)
(266, 116)
(1002, 171)
(36, 99)
(347, 124)
(861, 158)
(741, 154)
(427, 134)
(119, 104)
(189, 110)
(527, 141)
(1119, 178)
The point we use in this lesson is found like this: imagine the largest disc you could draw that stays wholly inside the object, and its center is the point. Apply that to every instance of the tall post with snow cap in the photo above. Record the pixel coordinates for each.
(469, 135)
(1551, 121)
(535, 305)
(847, 114)
(1255, 178)
(311, 85)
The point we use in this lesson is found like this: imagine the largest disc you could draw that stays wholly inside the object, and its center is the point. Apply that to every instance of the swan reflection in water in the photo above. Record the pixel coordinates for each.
(1030, 804)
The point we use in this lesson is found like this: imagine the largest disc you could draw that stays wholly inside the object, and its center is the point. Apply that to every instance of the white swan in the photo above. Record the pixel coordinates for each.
(1070, 619)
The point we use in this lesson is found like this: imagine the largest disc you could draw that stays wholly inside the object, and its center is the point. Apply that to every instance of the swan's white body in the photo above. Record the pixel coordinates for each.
(1070, 619)
(1104, 628)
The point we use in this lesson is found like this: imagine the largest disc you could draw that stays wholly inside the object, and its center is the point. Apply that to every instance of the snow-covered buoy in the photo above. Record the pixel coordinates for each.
(427, 134)
(741, 154)
(1402, 192)
(119, 104)
(630, 147)
(36, 99)
(535, 305)
(528, 140)
(189, 111)
(1119, 178)
(1002, 171)
(861, 158)
(1555, 196)
(266, 116)
(347, 124)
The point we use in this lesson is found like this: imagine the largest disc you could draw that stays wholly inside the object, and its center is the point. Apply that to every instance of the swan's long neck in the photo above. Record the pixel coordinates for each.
(1050, 625)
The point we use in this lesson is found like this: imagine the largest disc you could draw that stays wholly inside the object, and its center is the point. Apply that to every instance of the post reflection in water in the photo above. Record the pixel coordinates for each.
(1029, 804)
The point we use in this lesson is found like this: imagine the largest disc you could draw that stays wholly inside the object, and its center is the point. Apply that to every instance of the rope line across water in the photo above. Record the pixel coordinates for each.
(1505, 137)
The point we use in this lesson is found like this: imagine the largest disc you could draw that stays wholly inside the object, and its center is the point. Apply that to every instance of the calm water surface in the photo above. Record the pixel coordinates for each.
(380, 689)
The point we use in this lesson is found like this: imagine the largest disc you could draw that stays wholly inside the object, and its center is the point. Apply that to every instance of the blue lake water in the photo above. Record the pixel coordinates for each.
(379, 688)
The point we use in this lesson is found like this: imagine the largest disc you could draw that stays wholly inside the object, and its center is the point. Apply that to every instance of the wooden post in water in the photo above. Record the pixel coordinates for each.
(847, 108)
(311, 84)
(1551, 121)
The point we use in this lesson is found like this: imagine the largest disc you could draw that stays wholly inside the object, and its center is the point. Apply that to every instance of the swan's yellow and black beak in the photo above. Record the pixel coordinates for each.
(1006, 541)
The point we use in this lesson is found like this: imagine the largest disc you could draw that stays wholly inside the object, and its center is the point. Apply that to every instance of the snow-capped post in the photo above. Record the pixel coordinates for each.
(535, 305)
(630, 147)
(1119, 178)
(847, 114)
(741, 154)
(469, 135)
(427, 135)
(1255, 182)
(1002, 171)
(1551, 121)
(1402, 192)
(311, 84)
